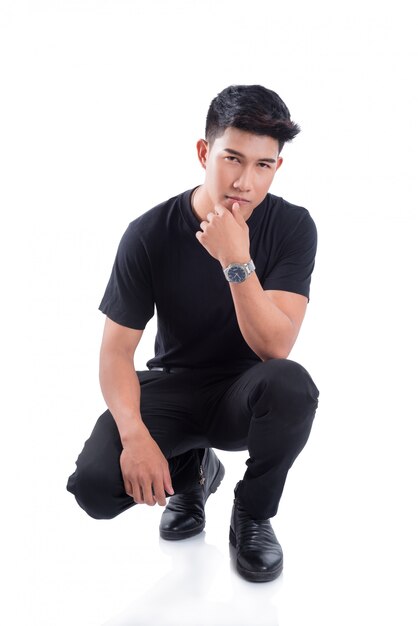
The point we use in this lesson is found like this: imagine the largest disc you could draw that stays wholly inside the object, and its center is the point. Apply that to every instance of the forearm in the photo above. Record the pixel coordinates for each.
(121, 391)
(145, 470)
(266, 329)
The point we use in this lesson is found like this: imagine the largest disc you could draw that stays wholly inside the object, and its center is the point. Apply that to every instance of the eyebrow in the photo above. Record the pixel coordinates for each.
(236, 153)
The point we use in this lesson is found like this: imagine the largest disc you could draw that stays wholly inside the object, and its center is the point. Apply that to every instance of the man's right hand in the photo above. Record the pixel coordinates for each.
(145, 471)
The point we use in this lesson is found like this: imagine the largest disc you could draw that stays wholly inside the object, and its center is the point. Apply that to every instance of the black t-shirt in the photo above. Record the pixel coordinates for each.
(160, 263)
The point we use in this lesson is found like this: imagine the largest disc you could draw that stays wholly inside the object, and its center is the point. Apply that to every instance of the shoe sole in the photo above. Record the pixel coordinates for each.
(254, 577)
(173, 535)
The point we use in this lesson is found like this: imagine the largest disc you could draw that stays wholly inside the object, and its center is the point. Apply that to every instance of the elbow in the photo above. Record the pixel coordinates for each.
(278, 351)
(281, 354)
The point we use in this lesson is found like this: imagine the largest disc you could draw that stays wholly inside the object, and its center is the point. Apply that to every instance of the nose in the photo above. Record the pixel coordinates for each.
(243, 183)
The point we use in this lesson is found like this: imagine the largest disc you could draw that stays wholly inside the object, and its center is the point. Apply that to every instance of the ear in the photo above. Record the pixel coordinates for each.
(202, 151)
(279, 162)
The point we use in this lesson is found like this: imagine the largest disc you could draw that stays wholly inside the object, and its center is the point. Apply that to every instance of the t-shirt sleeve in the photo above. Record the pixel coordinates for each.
(296, 259)
(128, 299)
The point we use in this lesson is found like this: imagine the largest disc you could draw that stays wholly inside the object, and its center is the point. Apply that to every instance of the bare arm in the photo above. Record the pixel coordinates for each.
(268, 320)
(118, 379)
(144, 468)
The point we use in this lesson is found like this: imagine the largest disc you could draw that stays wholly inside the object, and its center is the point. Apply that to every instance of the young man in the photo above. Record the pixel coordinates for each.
(228, 267)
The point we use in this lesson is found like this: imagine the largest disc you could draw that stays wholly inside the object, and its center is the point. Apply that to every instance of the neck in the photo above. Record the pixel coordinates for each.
(201, 204)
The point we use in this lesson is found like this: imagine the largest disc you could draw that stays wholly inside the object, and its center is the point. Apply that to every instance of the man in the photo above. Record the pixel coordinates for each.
(228, 267)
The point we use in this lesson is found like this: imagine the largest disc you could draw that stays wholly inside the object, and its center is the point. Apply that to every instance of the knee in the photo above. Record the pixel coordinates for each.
(94, 493)
(291, 376)
(288, 385)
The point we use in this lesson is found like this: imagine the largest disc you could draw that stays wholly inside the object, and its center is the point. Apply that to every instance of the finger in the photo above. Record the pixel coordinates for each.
(138, 496)
(147, 492)
(203, 225)
(237, 213)
(199, 235)
(159, 493)
(128, 488)
(168, 485)
(210, 216)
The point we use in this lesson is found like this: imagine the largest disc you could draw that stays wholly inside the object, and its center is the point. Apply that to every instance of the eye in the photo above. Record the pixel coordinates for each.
(232, 158)
(264, 165)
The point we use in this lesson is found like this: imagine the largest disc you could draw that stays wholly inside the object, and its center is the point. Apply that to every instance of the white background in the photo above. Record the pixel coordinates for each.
(101, 106)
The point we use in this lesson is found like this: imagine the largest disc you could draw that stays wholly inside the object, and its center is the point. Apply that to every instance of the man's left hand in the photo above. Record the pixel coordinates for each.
(225, 235)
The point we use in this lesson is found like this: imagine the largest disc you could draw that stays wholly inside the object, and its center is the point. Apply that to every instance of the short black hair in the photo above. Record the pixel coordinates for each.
(251, 108)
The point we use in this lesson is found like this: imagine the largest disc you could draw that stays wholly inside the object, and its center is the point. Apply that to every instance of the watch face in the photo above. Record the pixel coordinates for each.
(236, 274)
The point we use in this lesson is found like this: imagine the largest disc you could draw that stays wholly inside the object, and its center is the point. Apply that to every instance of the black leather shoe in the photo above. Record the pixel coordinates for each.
(184, 515)
(259, 556)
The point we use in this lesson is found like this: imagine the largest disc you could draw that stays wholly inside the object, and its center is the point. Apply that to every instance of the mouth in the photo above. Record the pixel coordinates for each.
(237, 199)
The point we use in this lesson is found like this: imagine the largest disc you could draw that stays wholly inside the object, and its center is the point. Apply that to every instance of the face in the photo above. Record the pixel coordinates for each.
(240, 167)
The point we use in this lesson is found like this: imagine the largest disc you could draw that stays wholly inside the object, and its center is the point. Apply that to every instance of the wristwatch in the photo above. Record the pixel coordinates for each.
(238, 272)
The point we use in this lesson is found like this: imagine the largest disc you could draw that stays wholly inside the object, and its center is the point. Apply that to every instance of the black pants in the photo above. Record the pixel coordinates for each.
(267, 408)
